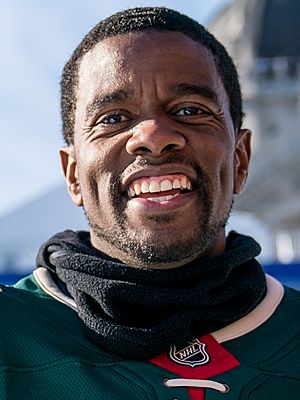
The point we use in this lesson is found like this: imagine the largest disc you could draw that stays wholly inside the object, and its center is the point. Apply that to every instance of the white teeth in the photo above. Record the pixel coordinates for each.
(154, 187)
(163, 198)
(166, 185)
(157, 199)
(183, 181)
(137, 188)
(176, 184)
(145, 187)
(169, 197)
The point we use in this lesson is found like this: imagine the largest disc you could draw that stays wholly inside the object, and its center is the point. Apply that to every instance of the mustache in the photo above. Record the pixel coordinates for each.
(170, 159)
(202, 182)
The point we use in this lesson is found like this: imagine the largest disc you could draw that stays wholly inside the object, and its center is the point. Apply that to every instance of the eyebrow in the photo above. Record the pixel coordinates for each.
(120, 95)
(101, 101)
(185, 89)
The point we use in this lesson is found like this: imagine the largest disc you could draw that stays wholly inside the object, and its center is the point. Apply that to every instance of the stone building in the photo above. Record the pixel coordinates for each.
(263, 37)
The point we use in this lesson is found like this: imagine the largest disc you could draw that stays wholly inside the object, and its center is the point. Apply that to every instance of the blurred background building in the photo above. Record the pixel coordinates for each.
(262, 36)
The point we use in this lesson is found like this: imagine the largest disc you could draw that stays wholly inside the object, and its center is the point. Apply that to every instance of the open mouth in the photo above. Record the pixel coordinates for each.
(160, 188)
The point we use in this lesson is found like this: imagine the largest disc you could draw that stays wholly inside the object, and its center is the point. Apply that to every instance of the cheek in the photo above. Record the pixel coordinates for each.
(94, 163)
(90, 176)
(225, 173)
(227, 166)
(99, 169)
(89, 189)
(215, 151)
(218, 161)
(95, 190)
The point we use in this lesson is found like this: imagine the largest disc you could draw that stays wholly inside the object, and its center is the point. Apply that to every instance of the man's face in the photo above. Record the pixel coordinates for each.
(155, 160)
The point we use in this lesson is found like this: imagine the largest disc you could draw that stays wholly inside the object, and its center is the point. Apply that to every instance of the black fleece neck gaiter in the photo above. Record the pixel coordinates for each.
(136, 312)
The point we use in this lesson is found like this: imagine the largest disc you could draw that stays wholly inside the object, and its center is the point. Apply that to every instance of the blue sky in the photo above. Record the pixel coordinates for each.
(36, 39)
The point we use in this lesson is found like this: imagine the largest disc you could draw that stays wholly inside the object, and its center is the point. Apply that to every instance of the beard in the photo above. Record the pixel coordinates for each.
(152, 251)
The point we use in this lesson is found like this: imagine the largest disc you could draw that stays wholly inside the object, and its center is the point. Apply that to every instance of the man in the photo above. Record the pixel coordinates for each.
(155, 302)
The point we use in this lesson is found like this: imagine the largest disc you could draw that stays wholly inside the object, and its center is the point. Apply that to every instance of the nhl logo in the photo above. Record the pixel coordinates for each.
(193, 354)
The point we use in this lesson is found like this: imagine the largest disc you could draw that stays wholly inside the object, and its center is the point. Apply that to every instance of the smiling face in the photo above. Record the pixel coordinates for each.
(155, 160)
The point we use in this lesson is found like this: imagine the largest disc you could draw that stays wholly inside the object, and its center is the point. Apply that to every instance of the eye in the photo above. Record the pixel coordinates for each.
(112, 119)
(190, 111)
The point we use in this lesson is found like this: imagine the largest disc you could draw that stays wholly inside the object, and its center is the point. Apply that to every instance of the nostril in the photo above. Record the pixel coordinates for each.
(154, 141)
(169, 147)
(141, 149)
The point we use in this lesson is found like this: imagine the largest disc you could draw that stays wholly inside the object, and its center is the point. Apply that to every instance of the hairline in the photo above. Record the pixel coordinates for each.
(80, 52)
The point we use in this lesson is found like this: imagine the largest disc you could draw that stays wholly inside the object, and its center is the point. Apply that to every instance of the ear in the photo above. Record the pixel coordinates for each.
(242, 159)
(69, 166)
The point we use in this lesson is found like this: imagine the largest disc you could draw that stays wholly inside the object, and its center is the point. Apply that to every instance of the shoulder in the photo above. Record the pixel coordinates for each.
(29, 284)
(26, 306)
(24, 291)
(277, 348)
(33, 325)
(287, 314)
(291, 295)
(268, 338)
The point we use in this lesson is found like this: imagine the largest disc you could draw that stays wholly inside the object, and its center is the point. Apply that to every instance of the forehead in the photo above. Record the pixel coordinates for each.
(148, 40)
(130, 50)
(133, 60)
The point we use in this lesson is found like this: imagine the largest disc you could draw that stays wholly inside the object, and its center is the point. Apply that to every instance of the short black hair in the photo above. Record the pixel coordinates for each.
(139, 19)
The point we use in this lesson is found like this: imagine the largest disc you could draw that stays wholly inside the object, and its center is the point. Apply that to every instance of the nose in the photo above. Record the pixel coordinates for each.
(154, 137)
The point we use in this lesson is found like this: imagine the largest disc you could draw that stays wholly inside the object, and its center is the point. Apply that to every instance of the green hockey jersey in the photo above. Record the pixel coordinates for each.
(45, 353)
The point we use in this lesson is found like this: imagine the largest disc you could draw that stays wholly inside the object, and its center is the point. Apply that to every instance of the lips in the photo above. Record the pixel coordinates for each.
(160, 188)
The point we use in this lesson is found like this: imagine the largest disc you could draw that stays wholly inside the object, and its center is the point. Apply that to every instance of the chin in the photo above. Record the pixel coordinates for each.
(159, 242)
(158, 251)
